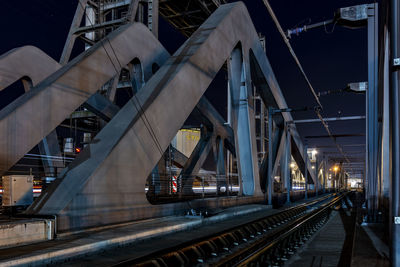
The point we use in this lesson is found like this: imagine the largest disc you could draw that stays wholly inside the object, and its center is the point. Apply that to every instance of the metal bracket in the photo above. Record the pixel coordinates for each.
(396, 63)
(396, 220)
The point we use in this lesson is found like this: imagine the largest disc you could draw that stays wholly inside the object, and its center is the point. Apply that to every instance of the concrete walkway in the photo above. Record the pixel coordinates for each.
(67, 247)
(370, 248)
(342, 242)
(324, 248)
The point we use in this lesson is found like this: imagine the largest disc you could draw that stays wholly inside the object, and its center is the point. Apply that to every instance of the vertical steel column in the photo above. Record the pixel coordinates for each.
(317, 175)
(262, 112)
(132, 11)
(229, 156)
(395, 182)
(324, 174)
(372, 112)
(385, 139)
(220, 164)
(90, 19)
(140, 12)
(242, 119)
(262, 132)
(305, 171)
(49, 148)
(270, 182)
(76, 22)
(152, 16)
(286, 162)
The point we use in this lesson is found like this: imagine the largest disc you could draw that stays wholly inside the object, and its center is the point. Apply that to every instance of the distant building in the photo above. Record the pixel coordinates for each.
(186, 140)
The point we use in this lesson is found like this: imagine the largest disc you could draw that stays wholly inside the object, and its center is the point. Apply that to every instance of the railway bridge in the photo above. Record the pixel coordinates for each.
(126, 148)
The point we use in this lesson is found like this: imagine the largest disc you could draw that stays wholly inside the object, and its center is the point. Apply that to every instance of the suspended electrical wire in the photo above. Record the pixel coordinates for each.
(286, 40)
(317, 109)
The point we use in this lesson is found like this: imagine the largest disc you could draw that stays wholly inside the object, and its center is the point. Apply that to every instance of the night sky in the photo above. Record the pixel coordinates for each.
(331, 59)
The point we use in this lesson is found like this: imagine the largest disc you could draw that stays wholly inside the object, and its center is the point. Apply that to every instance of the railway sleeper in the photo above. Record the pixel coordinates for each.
(251, 235)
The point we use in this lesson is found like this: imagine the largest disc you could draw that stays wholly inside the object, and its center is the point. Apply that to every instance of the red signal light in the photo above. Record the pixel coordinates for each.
(77, 150)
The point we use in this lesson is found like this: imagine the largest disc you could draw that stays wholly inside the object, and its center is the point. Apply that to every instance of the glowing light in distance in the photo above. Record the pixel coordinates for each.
(336, 168)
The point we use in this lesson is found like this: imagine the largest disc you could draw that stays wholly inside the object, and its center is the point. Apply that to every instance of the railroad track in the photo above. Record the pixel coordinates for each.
(265, 242)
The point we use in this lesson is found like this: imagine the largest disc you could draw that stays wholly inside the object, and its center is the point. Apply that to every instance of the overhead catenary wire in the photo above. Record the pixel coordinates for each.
(286, 40)
(317, 110)
(140, 110)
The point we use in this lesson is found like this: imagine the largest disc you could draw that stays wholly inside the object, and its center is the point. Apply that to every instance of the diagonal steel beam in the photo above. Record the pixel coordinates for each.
(271, 94)
(126, 150)
(32, 64)
(216, 130)
(218, 124)
(196, 161)
(76, 22)
(61, 93)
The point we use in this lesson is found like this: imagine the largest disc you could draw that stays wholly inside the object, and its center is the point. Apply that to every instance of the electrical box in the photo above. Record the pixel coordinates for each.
(353, 16)
(360, 87)
(17, 190)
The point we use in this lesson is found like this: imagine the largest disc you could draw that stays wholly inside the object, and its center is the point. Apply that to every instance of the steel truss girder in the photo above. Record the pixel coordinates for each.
(126, 136)
(215, 135)
(77, 31)
(265, 81)
(32, 65)
(65, 90)
(27, 62)
(28, 57)
(106, 183)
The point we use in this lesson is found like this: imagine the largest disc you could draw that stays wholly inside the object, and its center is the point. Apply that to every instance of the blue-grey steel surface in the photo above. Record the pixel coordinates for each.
(84, 196)
(372, 113)
(395, 113)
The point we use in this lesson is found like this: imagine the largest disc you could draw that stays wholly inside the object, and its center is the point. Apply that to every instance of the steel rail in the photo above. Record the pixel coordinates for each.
(288, 236)
(208, 248)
